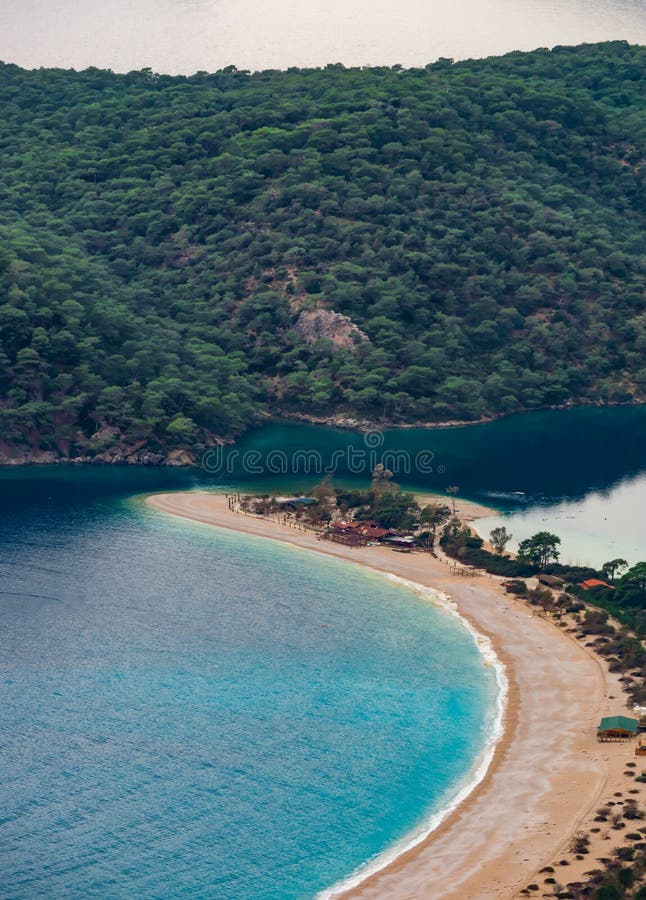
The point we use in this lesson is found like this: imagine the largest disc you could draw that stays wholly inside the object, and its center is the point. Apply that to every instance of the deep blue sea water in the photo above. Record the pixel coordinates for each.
(190, 713)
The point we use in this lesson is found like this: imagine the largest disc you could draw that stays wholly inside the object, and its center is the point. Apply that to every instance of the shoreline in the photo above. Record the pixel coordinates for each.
(185, 458)
(346, 422)
(474, 777)
(541, 783)
(466, 510)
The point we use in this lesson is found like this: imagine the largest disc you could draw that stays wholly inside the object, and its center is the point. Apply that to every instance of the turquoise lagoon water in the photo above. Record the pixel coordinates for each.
(187, 712)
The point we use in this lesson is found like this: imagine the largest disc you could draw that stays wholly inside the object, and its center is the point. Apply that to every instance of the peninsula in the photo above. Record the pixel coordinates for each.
(548, 773)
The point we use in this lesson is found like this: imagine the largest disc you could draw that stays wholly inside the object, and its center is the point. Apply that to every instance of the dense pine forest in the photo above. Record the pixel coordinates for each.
(180, 256)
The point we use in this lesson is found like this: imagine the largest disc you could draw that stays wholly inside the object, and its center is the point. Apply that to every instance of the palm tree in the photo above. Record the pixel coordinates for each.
(453, 489)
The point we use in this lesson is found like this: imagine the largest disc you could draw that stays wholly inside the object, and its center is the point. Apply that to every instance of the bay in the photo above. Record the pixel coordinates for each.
(189, 712)
(184, 36)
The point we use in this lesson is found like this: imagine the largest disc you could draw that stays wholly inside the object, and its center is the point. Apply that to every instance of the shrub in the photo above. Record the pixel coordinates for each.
(516, 586)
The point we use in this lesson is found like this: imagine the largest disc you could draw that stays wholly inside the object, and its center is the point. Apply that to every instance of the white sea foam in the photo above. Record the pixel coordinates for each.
(476, 773)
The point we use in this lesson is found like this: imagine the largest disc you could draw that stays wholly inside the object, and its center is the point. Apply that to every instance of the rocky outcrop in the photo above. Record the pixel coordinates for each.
(109, 447)
(115, 456)
(10, 455)
(324, 325)
(337, 420)
(179, 458)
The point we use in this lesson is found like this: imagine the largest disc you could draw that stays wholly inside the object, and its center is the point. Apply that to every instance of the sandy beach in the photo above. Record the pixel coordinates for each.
(548, 773)
(466, 510)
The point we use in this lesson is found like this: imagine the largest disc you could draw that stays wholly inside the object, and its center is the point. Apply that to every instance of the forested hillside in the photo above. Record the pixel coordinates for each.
(173, 250)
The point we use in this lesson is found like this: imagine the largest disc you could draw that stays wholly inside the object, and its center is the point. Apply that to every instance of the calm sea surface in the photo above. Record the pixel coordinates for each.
(183, 36)
(188, 713)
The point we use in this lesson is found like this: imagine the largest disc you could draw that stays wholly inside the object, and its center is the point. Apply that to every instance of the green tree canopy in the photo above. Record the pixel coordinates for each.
(540, 550)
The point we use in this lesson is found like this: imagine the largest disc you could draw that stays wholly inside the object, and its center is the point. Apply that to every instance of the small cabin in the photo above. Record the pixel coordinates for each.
(401, 540)
(617, 728)
(344, 534)
(592, 583)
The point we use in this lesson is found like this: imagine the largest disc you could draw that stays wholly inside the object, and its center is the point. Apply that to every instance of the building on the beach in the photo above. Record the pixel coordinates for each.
(595, 583)
(373, 532)
(403, 543)
(357, 533)
(617, 728)
(349, 538)
(401, 539)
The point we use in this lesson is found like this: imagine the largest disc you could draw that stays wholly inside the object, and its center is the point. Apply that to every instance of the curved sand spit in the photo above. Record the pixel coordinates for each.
(548, 770)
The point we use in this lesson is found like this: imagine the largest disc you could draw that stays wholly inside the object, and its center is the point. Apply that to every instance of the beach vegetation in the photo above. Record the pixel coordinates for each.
(516, 586)
(595, 621)
(613, 567)
(540, 549)
(434, 515)
(453, 490)
(389, 506)
(626, 877)
(625, 600)
(632, 586)
(608, 891)
(499, 538)
(459, 542)
(540, 596)
(580, 843)
(323, 491)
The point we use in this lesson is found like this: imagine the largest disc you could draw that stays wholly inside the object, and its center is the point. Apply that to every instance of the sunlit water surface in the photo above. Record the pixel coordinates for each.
(184, 36)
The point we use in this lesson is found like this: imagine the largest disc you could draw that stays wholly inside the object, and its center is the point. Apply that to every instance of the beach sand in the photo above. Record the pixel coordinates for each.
(466, 510)
(548, 773)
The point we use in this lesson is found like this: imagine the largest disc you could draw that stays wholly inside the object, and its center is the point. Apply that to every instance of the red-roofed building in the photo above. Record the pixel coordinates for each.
(372, 533)
(594, 583)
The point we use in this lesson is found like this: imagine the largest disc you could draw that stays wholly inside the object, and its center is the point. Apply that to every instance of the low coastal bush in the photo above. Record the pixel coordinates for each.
(516, 586)
(459, 543)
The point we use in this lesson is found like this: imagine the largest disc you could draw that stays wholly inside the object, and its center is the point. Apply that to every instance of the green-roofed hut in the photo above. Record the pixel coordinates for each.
(617, 728)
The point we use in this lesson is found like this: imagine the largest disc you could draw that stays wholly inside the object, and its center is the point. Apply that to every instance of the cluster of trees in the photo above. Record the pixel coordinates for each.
(391, 507)
(384, 503)
(626, 598)
(459, 542)
(481, 222)
(622, 878)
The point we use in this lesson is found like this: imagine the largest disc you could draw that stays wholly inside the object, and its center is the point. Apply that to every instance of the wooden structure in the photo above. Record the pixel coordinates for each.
(617, 728)
(351, 538)
(640, 749)
(359, 533)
